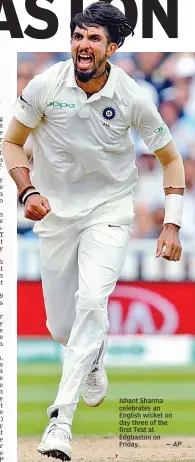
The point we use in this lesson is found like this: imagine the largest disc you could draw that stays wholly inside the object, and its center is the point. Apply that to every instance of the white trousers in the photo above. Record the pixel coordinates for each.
(80, 264)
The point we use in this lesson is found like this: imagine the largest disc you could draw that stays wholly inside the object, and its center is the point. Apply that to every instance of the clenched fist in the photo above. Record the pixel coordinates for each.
(36, 207)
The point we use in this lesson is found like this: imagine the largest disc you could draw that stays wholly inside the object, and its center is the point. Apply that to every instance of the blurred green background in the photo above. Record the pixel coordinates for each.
(37, 386)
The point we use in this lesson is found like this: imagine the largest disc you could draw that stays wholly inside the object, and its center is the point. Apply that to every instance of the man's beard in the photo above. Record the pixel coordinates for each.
(85, 76)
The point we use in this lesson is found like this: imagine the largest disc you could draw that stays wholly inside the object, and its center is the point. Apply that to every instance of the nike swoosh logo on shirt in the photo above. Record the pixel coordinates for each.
(22, 99)
(114, 226)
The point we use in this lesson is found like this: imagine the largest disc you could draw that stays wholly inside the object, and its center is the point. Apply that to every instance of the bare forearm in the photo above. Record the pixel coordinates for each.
(173, 169)
(17, 164)
(21, 176)
(174, 184)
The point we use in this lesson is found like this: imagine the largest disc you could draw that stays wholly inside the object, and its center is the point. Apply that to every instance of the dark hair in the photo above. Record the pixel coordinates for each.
(106, 15)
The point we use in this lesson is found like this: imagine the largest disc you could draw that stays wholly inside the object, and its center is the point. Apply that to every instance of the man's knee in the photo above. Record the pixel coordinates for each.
(91, 301)
(93, 309)
(59, 335)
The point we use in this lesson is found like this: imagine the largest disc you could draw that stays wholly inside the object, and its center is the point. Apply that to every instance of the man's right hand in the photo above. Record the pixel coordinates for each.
(36, 207)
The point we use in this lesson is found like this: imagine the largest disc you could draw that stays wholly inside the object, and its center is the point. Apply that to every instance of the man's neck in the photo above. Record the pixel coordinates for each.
(95, 84)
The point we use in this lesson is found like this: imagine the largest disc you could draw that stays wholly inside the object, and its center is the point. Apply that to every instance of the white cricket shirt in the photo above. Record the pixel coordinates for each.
(82, 149)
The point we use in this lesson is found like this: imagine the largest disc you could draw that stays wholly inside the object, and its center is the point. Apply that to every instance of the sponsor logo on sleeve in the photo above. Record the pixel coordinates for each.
(22, 99)
(160, 129)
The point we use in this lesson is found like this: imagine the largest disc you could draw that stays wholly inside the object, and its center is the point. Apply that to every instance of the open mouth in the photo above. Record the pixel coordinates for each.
(84, 61)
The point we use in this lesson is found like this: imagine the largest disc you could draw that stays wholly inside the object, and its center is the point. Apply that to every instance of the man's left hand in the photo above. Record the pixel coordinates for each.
(168, 244)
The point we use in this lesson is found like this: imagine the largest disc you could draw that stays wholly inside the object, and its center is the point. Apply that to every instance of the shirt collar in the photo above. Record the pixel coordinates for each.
(70, 81)
(107, 90)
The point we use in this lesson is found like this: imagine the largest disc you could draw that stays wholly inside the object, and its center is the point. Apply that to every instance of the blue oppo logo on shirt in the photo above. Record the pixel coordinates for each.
(60, 105)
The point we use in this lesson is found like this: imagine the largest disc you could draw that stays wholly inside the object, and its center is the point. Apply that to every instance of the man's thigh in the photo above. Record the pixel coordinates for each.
(101, 255)
(59, 272)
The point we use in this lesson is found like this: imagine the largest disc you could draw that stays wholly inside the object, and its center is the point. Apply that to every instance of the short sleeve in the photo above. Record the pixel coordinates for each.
(29, 107)
(148, 122)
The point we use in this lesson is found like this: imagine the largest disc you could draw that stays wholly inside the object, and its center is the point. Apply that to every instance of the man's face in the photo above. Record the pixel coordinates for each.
(90, 50)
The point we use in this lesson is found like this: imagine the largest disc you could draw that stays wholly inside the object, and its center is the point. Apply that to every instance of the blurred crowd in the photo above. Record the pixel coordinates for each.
(169, 79)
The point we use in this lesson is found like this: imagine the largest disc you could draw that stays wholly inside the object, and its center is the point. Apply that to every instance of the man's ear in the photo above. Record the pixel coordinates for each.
(111, 49)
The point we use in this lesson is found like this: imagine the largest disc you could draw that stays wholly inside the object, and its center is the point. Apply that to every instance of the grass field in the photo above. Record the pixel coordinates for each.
(37, 386)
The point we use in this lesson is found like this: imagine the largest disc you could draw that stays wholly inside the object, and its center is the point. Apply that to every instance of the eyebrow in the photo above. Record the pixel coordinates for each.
(90, 35)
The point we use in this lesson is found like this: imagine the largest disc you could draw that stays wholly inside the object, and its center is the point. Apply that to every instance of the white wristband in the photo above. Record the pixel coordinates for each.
(173, 209)
(30, 192)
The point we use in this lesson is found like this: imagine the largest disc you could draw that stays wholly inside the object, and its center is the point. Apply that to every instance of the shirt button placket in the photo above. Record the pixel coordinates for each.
(84, 112)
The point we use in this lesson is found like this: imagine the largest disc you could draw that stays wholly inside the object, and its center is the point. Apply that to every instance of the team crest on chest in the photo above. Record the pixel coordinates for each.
(109, 113)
